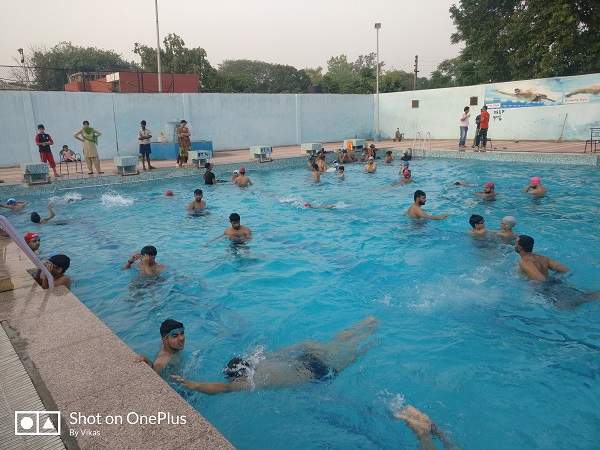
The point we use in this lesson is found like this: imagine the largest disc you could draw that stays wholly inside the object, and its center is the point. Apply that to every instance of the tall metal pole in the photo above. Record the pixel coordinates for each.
(158, 48)
(377, 27)
(416, 72)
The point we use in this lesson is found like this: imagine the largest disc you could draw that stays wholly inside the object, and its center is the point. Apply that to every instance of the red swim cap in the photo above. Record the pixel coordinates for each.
(30, 236)
(169, 193)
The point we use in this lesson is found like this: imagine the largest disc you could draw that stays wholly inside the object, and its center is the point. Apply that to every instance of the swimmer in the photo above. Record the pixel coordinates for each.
(506, 228)
(370, 167)
(316, 175)
(235, 175)
(321, 163)
(310, 205)
(488, 192)
(423, 427)
(57, 265)
(209, 176)
(198, 204)
(345, 158)
(236, 230)
(406, 155)
(147, 258)
(477, 223)
(535, 187)
(341, 172)
(172, 335)
(32, 240)
(242, 180)
(14, 204)
(416, 212)
(389, 158)
(406, 177)
(35, 217)
(461, 183)
(290, 366)
(535, 267)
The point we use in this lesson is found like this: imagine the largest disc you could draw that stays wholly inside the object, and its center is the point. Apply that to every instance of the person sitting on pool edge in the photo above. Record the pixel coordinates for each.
(477, 223)
(57, 265)
(13, 204)
(35, 217)
(301, 363)
(197, 204)
(488, 192)
(416, 212)
(242, 180)
(506, 228)
(172, 336)
(535, 187)
(32, 240)
(147, 258)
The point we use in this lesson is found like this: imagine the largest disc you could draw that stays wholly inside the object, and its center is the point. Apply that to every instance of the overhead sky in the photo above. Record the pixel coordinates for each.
(302, 33)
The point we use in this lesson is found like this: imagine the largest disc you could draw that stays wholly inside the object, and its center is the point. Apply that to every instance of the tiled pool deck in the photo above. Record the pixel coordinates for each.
(78, 365)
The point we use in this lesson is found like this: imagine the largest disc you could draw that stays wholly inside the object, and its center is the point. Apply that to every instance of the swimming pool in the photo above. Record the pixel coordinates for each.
(461, 335)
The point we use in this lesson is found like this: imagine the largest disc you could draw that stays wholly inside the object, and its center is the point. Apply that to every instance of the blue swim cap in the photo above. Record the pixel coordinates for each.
(11, 201)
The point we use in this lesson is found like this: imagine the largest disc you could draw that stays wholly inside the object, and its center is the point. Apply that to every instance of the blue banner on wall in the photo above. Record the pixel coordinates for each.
(544, 92)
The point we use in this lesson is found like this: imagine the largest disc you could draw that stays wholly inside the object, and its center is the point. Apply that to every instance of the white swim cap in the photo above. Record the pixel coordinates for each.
(510, 221)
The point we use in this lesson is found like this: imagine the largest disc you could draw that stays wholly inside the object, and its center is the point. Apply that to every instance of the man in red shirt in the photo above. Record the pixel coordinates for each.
(43, 140)
(483, 126)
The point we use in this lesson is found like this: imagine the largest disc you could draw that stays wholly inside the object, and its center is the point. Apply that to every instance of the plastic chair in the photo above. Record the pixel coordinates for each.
(66, 162)
(594, 140)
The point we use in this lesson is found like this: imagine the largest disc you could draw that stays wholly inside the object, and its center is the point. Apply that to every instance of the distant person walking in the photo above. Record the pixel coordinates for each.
(43, 140)
(185, 143)
(89, 137)
(144, 136)
(483, 128)
(464, 127)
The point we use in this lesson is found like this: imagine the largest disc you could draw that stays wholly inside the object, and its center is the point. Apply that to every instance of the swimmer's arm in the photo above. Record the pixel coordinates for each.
(132, 259)
(424, 215)
(160, 362)
(215, 239)
(556, 266)
(211, 388)
(190, 206)
(51, 216)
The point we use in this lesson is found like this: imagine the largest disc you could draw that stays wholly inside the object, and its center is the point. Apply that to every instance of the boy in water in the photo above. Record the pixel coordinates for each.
(147, 261)
(506, 228)
(389, 158)
(36, 218)
(477, 223)
(57, 265)
(198, 204)
(172, 336)
(236, 230)
(316, 175)
(341, 173)
(242, 180)
(32, 240)
(370, 167)
(489, 192)
(535, 187)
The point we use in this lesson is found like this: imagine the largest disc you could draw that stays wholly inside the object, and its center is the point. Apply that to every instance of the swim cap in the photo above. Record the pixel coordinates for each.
(169, 193)
(11, 201)
(536, 180)
(169, 325)
(35, 217)
(371, 158)
(62, 261)
(489, 184)
(235, 172)
(29, 236)
(509, 220)
(242, 170)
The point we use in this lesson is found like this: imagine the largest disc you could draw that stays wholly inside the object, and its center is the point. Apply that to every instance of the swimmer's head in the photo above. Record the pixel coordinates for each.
(524, 243)
(33, 240)
(169, 193)
(406, 173)
(536, 181)
(420, 197)
(488, 187)
(149, 252)
(389, 153)
(508, 223)
(208, 166)
(340, 168)
(234, 219)
(242, 170)
(60, 264)
(11, 202)
(198, 194)
(35, 217)
(477, 222)
(173, 334)
(236, 173)
(236, 368)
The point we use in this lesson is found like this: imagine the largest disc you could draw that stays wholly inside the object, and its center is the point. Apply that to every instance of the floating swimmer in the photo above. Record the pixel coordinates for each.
(13, 204)
(528, 95)
(36, 218)
(310, 205)
(301, 363)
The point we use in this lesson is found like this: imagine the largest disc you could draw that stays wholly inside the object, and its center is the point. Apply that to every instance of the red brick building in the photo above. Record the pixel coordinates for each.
(133, 82)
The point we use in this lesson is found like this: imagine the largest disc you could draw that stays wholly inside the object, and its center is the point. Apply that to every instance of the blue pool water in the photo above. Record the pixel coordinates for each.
(462, 336)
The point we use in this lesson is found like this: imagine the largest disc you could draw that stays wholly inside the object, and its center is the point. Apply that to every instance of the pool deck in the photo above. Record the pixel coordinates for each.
(13, 175)
(78, 365)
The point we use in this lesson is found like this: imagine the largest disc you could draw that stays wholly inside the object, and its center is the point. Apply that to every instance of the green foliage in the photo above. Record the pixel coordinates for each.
(519, 39)
(175, 57)
(243, 75)
(53, 66)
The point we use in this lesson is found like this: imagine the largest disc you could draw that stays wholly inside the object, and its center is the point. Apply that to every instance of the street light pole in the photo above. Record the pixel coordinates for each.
(158, 48)
(377, 27)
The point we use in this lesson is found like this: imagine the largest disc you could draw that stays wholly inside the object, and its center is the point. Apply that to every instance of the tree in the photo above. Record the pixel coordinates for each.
(52, 67)
(399, 80)
(344, 77)
(175, 57)
(243, 75)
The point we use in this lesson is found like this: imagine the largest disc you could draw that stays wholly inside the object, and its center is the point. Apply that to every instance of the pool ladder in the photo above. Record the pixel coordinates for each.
(422, 142)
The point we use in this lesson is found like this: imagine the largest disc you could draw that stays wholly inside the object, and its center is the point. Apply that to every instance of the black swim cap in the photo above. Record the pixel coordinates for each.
(169, 325)
(475, 219)
(149, 250)
(236, 368)
(62, 261)
(198, 192)
(526, 243)
(234, 217)
(419, 193)
(207, 166)
(35, 217)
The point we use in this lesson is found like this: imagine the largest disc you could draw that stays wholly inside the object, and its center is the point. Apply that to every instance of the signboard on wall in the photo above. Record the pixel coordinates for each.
(544, 92)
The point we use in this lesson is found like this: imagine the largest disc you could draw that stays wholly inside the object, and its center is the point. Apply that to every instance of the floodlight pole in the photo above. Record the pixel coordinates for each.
(158, 48)
(377, 27)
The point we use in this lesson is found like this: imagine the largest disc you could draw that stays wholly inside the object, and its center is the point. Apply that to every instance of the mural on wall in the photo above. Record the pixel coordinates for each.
(545, 92)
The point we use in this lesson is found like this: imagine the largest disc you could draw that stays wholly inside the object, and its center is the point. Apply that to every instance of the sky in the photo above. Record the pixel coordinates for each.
(301, 33)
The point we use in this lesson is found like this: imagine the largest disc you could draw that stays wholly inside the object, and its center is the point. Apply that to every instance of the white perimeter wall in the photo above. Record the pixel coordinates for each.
(230, 121)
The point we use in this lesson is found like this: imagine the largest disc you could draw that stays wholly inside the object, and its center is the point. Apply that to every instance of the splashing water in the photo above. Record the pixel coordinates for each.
(111, 199)
(69, 197)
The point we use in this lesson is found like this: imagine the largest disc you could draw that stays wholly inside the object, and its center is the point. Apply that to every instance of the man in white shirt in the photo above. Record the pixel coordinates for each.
(464, 127)
(144, 136)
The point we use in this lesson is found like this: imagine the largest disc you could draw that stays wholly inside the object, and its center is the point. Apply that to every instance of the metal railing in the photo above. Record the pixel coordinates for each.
(17, 239)
(422, 142)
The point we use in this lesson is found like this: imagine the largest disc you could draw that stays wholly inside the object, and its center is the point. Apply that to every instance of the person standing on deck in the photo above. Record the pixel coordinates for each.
(89, 137)
(483, 127)
(144, 136)
(185, 143)
(464, 128)
(43, 140)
